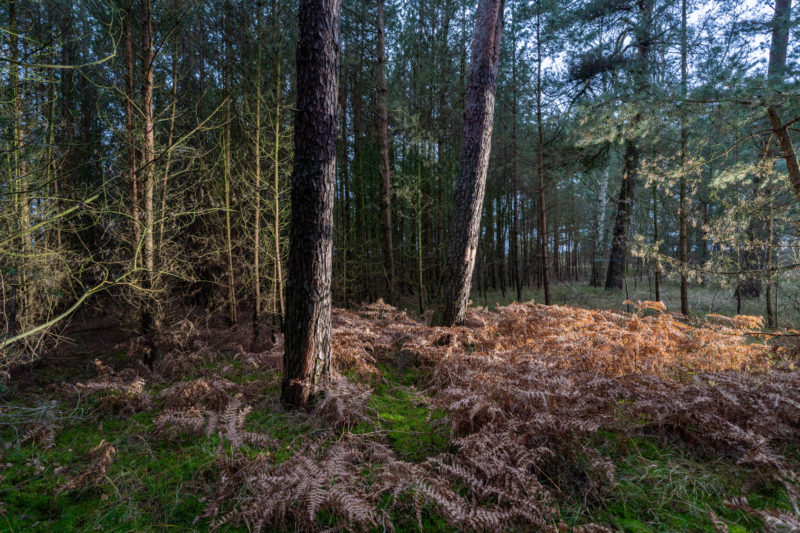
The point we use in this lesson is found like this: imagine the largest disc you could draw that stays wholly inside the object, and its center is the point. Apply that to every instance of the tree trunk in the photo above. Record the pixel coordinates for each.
(276, 191)
(682, 216)
(130, 127)
(657, 272)
(476, 144)
(776, 73)
(307, 355)
(276, 194)
(600, 224)
(619, 243)
(257, 189)
(227, 177)
(514, 191)
(383, 143)
(170, 135)
(149, 321)
(545, 262)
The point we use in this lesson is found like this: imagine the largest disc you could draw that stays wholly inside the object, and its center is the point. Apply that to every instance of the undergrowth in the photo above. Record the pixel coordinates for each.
(527, 418)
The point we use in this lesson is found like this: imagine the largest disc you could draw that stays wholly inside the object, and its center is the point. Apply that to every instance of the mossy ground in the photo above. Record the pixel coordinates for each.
(156, 484)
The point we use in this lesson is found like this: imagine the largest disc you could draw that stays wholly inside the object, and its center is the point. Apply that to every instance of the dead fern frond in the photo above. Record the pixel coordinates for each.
(101, 457)
(123, 391)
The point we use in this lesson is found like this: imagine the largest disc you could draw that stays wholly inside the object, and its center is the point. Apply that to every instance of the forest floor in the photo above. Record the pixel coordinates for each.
(527, 418)
(703, 299)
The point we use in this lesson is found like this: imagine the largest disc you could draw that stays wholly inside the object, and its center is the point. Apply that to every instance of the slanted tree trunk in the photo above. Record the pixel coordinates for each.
(383, 143)
(776, 73)
(475, 147)
(307, 354)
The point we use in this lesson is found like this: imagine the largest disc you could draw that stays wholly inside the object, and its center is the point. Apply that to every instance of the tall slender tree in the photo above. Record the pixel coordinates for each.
(383, 144)
(540, 162)
(149, 321)
(683, 243)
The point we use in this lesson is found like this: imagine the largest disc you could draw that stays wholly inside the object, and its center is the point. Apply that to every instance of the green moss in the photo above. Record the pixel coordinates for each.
(405, 417)
(661, 488)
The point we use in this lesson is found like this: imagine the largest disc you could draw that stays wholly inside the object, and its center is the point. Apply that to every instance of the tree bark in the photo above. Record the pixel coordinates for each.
(619, 243)
(657, 270)
(257, 189)
(619, 240)
(544, 242)
(682, 216)
(130, 127)
(383, 144)
(307, 355)
(149, 321)
(227, 178)
(170, 136)
(600, 224)
(776, 72)
(476, 144)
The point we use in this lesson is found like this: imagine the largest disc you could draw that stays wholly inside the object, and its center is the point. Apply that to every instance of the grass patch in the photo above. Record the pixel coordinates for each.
(661, 488)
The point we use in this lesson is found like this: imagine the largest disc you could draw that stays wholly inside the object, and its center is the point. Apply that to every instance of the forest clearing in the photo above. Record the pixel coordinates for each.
(399, 265)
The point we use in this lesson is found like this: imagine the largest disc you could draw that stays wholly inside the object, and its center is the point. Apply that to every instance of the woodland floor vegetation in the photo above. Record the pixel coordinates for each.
(526, 418)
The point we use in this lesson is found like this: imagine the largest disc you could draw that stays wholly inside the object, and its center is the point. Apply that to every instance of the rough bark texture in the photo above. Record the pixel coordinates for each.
(619, 239)
(776, 72)
(615, 277)
(307, 355)
(600, 224)
(475, 147)
(383, 143)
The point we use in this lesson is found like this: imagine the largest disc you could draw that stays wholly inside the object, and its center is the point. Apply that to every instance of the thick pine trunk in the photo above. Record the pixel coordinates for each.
(619, 240)
(307, 355)
(475, 147)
